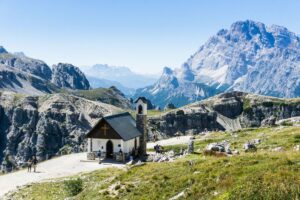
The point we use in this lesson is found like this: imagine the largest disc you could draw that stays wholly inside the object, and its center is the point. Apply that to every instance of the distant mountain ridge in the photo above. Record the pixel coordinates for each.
(122, 77)
(250, 57)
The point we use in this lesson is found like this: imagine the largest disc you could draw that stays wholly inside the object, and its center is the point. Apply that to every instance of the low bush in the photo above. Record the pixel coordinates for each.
(74, 186)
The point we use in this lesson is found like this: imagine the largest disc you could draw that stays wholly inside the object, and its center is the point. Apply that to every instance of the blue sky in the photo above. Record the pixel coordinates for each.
(145, 35)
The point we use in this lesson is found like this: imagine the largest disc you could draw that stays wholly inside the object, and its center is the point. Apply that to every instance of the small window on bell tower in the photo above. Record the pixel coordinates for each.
(140, 109)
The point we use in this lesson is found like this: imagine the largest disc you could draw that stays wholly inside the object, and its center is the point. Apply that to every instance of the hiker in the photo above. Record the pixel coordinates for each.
(99, 156)
(156, 148)
(122, 155)
(154, 138)
(29, 164)
(34, 162)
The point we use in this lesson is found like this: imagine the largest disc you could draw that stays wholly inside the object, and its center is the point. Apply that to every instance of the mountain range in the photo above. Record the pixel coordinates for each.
(29, 76)
(249, 57)
(103, 75)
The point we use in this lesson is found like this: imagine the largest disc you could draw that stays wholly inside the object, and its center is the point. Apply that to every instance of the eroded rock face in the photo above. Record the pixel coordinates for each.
(229, 111)
(44, 125)
(68, 76)
(229, 104)
(185, 120)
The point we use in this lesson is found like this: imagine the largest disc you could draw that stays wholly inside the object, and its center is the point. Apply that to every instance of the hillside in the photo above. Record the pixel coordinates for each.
(110, 95)
(249, 56)
(265, 174)
(22, 82)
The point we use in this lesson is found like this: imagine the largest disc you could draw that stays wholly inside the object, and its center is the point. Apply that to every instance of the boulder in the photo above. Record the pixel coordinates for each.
(271, 121)
(297, 148)
(278, 149)
(249, 147)
(223, 147)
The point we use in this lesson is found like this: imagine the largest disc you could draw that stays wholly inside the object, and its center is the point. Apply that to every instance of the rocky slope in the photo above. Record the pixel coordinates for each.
(249, 56)
(26, 64)
(68, 76)
(30, 76)
(18, 81)
(229, 111)
(45, 125)
(110, 95)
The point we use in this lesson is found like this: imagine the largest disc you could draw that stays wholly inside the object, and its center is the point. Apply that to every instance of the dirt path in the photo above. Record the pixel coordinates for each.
(55, 168)
(66, 166)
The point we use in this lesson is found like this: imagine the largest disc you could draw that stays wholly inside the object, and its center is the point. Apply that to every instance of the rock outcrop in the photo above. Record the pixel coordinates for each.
(228, 111)
(69, 77)
(45, 126)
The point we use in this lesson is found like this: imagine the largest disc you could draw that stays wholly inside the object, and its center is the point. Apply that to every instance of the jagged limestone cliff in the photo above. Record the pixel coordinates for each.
(45, 125)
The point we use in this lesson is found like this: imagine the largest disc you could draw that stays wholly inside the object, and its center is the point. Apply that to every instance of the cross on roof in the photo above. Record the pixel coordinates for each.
(104, 128)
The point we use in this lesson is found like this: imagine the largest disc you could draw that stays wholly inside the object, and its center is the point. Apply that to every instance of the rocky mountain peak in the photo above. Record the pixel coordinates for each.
(249, 57)
(251, 31)
(2, 49)
(167, 71)
(68, 76)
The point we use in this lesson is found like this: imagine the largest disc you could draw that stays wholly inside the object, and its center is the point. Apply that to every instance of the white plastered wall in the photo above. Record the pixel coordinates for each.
(126, 146)
(129, 145)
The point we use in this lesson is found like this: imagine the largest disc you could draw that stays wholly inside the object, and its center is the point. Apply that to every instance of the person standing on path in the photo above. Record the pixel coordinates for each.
(99, 156)
(34, 162)
(29, 164)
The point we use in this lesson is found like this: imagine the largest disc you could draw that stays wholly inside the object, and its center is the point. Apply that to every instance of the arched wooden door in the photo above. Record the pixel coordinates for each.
(109, 149)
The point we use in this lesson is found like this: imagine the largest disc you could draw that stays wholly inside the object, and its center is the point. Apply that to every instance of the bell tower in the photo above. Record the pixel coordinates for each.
(141, 123)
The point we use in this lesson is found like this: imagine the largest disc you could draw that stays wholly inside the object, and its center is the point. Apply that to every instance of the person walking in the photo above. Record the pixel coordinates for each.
(34, 162)
(29, 165)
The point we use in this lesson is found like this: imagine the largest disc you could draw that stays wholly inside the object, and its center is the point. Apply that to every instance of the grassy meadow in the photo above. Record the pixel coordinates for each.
(265, 174)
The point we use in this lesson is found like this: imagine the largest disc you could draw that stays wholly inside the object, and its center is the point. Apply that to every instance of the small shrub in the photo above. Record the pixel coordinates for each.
(180, 112)
(73, 187)
(286, 123)
(267, 104)
(248, 110)
(297, 139)
(214, 153)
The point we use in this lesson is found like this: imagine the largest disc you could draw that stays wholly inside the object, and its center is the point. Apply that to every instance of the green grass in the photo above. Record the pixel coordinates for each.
(105, 95)
(150, 113)
(261, 175)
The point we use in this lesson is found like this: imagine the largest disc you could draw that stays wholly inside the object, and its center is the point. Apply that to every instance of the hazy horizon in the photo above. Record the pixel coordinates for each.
(142, 35)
